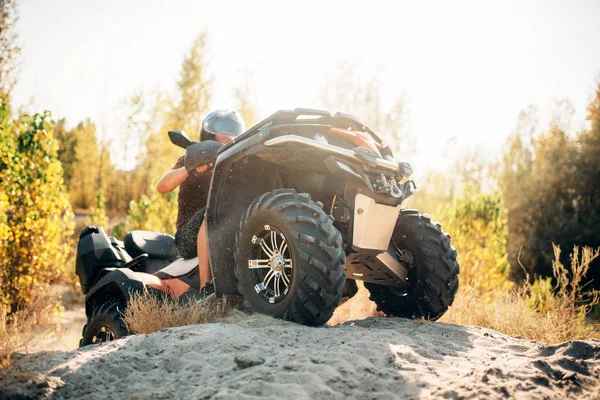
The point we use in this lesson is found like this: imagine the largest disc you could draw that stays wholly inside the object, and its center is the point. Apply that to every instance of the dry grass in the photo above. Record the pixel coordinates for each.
(26, 328)
(539, 311)
(147, 313)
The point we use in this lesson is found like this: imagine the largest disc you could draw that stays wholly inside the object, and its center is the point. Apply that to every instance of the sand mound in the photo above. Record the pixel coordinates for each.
(257, 356)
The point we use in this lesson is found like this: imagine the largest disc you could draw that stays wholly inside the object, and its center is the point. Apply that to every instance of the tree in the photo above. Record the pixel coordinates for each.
(550, 183)
(194, 88)
(9, 49)
(84, 184)
(587, 189)
(67, 144)
(466, 169)
(346, 91)
(182, 111)
(126, 185)
(516, 184)
(245, 99)
(35, 214)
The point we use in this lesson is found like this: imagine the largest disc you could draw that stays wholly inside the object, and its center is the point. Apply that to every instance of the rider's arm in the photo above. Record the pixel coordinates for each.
(172, 179)
(175, 177)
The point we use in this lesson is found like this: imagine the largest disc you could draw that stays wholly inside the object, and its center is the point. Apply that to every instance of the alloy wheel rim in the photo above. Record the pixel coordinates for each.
(271, 264)
(104, 335)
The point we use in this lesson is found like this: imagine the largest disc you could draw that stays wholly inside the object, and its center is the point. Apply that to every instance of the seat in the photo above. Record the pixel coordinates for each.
(156, 245)
(179, 269)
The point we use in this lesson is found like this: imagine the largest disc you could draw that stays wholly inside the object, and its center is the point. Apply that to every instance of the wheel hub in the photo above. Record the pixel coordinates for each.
(271, 264)
(104, 335)
(277, 263)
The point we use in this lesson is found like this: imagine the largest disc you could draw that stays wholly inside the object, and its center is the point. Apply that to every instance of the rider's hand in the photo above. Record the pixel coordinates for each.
(205, 167)
(199, 155)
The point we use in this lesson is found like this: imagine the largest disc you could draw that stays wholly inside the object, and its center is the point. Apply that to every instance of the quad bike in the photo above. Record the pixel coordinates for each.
(301, 206)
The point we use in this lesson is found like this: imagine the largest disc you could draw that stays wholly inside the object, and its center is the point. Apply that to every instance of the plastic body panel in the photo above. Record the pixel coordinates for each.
(246, 168)
(373, 224)
(94, 253)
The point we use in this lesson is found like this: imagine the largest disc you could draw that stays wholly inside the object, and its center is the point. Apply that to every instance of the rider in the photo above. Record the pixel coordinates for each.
(221, 126)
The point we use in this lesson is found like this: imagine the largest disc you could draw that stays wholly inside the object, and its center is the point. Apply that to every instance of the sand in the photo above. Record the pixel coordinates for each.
(254, 356)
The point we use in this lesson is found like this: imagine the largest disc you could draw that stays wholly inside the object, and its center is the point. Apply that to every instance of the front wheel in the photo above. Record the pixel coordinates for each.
(432, 280)
(104, 325)
(289, 259)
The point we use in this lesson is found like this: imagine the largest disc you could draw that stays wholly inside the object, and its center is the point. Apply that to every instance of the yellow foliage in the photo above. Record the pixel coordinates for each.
(35, 214)
(98, 213)
(477, 223)
(156, 213)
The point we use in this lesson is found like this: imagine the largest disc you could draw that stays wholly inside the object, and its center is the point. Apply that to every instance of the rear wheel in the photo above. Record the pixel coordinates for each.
(432, 280)
(104, 325)
(289, 259)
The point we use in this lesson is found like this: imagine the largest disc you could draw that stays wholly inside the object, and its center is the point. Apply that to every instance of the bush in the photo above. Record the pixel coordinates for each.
(538, 311)
(25, 327)
(147, 313)
(98, 212)
(152, 213)
(477, 223)
(35, 214)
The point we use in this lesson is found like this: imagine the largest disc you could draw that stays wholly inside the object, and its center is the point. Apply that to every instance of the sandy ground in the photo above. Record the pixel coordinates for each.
(254, 356)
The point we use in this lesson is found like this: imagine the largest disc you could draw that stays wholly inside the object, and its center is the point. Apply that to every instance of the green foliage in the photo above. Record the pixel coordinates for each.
(467, 169)
(541, 295)
(153, 213)
(550, 183)
(91, 166)
(477, 224)
(98, 213)
(67, 149)
(35, 214)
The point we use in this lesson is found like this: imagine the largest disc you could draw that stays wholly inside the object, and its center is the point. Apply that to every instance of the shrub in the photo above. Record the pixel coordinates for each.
(477, 223)
(35, 214)
(147, 313)
(538, 311)
(153, 213)
(25, 327)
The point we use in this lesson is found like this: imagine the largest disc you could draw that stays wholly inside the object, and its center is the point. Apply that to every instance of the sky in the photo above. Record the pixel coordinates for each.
(465, 69)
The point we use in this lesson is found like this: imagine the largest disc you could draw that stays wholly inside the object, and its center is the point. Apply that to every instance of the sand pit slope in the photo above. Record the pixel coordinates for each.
(257, 356)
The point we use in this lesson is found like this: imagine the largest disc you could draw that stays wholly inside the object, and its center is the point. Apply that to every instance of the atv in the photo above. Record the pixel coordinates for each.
(300, 207)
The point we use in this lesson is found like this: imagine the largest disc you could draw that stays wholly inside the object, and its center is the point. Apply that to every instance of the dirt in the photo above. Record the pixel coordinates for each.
(259, 356)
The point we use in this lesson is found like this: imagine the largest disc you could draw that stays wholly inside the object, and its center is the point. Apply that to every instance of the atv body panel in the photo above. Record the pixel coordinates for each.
(297, 149)
(108, 268)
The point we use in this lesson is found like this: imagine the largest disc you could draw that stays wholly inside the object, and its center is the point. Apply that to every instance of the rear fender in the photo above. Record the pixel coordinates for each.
(235, 183)
(118, 284)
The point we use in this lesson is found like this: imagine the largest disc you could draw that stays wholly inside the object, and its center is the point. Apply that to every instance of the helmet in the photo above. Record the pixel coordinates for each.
(222, 122)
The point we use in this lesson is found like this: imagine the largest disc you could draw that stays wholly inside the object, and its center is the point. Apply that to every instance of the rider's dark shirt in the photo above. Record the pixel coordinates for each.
(193, 193)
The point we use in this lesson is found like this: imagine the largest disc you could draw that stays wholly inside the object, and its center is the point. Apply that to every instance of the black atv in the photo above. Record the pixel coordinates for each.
(300, 206)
